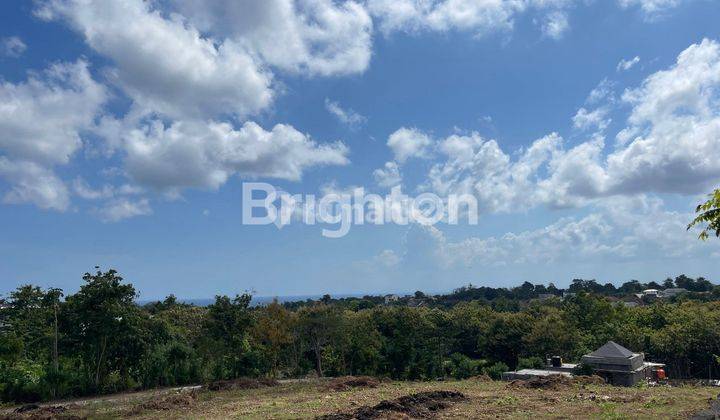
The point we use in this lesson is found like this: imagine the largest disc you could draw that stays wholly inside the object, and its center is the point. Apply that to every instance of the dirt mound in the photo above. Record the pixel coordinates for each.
(711, 413)
(37, 412)
(542, 382)
(481, 378)
(346, 383)
(420, 405)
(170, 402)
(588, 380)
(241, 383)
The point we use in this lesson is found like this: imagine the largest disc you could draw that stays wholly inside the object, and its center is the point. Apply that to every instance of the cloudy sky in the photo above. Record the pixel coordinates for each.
(588, 131)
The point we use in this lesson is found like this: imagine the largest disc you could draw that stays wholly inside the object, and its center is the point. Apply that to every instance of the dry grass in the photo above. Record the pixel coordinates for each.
(485, 399)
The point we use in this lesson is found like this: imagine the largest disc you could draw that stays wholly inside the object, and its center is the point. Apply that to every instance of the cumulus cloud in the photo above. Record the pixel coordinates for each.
(164, 64)
(33, 183)
(671, 145)
(346, 116)
(478, 166)
(625, 65)
(620, 228)
(388, 176)
(12, 46)
(407, 143)
(41, 121)
(316, 37)
(205, 155)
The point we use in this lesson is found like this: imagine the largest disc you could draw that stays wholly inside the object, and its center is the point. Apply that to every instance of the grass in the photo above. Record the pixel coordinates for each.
(486, 399)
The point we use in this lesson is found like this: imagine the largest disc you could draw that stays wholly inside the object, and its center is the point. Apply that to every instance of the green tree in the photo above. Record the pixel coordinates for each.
(318, 324)
(708, 214)
(103, 326)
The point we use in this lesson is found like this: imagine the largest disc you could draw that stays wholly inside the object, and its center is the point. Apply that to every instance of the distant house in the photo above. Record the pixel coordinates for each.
(545, 296)
(391, 298)
(672, 292)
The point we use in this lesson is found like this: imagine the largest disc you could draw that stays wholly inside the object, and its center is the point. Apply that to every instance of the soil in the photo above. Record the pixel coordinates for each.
(347, 383)
(555, 382)
(168, 402)
(420, 405)
(36, 412)
(712, 413)
(241, 383)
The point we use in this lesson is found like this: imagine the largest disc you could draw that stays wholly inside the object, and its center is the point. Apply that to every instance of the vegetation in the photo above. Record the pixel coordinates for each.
(709, 214)
(485, 400)
(99, 340)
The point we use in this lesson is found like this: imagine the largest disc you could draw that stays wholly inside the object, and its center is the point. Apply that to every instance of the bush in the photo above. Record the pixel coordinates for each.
(495, 371)
(530, 363)
(460, 366)
(583, 370)
(21, 381)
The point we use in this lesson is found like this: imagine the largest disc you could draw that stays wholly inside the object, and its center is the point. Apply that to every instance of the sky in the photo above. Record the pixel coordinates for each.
(587, 131)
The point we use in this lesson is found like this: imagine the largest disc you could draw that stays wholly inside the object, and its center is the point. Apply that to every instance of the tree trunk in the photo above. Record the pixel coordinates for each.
(318, 359)
(99, 362)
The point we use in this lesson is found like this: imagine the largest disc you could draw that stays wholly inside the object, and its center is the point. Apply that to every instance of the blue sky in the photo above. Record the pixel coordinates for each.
(588, 130)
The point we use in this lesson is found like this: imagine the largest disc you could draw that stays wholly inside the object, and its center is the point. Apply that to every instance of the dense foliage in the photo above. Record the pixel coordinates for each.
(100, 340)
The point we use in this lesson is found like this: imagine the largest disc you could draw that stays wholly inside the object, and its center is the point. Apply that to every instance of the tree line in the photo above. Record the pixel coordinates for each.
(99, 340)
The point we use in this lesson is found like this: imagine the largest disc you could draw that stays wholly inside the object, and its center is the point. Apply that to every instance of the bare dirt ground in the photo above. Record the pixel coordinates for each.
(473, 398)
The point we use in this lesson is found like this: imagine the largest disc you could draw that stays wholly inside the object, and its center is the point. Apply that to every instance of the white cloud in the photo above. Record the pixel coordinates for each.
(479, 17)
(409, 143)
(33, 183)
(42, 118)
(387, 258)
(625, 65)
(555, 25)
(83, 190)
(474, 165)
(671, 145)
(164, 64)
(123, 208)
(388, 176)
(317, 37)
(596, 118)
(12, 46)
(205, 155)
(604, 91)
(345, 116)
(651, 8)
(638, 228)
(675, 121)
(41, 121)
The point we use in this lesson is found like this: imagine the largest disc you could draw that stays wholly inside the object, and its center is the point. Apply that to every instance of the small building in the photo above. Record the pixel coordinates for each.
(613, 362)
(620, 366)
(672, 292)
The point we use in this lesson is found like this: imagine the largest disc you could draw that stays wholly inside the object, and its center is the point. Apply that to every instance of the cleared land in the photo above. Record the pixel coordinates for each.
(312, 398)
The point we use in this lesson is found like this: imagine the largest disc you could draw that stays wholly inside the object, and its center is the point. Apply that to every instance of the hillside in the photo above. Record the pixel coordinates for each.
(311, 398)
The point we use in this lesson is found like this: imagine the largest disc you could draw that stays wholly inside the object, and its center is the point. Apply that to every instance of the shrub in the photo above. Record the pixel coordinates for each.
(495, 371)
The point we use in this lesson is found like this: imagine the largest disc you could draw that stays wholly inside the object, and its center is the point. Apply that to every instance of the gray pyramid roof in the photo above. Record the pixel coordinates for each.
(612, 349)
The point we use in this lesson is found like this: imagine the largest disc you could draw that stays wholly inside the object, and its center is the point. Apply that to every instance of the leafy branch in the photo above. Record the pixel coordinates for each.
(708, 212)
